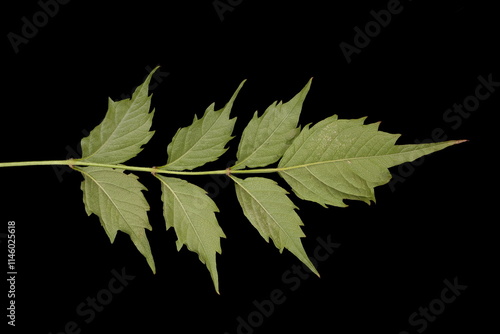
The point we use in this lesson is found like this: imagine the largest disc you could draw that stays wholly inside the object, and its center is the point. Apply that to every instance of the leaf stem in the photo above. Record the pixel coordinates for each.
(154, 170)
(256, 171)
(36, 163)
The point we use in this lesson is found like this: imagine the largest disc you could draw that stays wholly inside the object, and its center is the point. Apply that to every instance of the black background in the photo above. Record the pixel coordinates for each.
(393, 256)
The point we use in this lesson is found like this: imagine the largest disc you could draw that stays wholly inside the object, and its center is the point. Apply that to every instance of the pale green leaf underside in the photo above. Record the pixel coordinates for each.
(189, 210)
(204, 140)
(266, 138)
(272, 213)
(117, 199)
(337, 160)
(328, 163)
(124, 130)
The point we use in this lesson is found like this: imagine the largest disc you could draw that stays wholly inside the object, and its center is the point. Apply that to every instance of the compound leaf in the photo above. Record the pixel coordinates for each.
(266, 138)
(272, 213)
(204, 140)
(117, 199)
(345, 159)
(124, 130)
(189, 210)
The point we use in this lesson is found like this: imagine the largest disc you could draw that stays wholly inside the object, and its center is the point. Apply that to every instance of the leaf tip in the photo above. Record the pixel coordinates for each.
(308, 85)
(215, 279)
(313, 269)
(239, 88)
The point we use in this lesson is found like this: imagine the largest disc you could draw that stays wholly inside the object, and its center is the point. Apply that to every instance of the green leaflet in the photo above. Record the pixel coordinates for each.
(266, 138)
(191, 213)
(345, 159)
(123, 131)
(117, 199)
(204, 140)
(272, 213)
